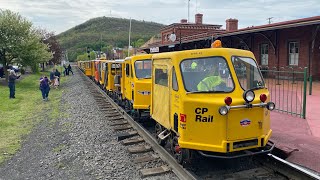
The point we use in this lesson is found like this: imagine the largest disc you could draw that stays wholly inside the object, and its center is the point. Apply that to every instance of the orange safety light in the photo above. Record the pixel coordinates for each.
(216, 44)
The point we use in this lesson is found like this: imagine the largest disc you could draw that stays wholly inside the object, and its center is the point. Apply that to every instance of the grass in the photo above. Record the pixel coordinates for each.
(18, 116)
(59, 148)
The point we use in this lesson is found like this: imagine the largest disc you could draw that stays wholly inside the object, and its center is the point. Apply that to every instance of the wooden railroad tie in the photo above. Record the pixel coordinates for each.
(139, 149)
(154, 171)
(125, 135)
(103, 107)
(106, 108)
(117, 123)
(120, 128)
(112, 114)
(114, 118)
(132, 141)
(110, 111)
(146, 158)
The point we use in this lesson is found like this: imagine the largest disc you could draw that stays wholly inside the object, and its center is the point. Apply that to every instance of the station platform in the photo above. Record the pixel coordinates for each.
(299, 138)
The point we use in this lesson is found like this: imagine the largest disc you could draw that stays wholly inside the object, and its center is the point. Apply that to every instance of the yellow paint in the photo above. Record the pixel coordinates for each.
(219, 130)
(137, 90)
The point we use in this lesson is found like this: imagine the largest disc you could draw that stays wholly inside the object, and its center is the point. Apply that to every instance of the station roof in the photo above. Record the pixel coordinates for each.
(253, 29)
(274, 26)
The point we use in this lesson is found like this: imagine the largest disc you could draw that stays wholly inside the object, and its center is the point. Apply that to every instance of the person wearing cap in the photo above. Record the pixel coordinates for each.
(11, 83)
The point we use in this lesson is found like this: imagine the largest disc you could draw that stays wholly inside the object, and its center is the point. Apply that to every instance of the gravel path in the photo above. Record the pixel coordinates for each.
(78, 145)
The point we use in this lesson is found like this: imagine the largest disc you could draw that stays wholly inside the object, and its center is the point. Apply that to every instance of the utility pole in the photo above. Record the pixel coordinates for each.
(269, 19)
(100, 45)
(129, 38)
(100, 42)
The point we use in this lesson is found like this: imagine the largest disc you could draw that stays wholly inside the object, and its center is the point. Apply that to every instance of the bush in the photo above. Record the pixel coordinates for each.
(23, 71)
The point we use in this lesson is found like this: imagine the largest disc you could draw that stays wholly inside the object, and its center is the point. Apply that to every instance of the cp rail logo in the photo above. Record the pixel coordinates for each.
(245, 122)
(201, 117)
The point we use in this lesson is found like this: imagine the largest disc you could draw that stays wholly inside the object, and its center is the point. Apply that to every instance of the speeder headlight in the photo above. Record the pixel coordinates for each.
(223, 110)
(271, 106)
(248, 96)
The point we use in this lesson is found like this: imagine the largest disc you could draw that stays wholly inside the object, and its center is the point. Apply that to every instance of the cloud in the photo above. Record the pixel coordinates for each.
(60, 15)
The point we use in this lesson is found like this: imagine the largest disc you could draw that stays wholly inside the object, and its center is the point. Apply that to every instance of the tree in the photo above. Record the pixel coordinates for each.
(84, 57)
(54, 47)
(139, 43)
(14, 31)
(108, 50)
(19, 42)
(32, 52)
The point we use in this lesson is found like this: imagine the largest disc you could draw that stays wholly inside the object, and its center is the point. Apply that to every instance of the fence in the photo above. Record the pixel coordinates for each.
(288, 88)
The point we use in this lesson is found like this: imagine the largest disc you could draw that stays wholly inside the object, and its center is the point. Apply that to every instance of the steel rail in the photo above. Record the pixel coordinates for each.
(296, 167)
(164, 155)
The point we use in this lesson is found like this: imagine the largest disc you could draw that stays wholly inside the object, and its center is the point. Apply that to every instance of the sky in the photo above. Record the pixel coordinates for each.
(61, 15)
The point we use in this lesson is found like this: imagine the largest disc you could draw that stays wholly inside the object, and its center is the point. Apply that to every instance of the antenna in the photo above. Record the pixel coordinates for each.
(197, 6)
(188, 9)
(269, 19)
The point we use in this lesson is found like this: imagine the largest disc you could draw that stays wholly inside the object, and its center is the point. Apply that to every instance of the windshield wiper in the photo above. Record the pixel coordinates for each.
(145, 78)
(195, 92)
(259, 87)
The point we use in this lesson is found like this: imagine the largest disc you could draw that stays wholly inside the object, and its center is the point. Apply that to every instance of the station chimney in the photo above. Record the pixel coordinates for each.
(231, 25)
(183, 21)
(198, 18)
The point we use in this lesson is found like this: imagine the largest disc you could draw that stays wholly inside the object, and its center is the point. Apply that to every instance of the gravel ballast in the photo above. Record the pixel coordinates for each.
(80, 144)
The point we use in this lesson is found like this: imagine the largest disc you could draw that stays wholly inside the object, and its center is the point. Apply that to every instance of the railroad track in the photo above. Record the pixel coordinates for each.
(140, 141)
(132, 134)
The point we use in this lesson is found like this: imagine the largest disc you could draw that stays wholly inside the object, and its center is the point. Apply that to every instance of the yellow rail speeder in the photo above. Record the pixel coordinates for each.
(117, 74)
(137, 85)
(101, 68)
(213, 101)
(113, 68)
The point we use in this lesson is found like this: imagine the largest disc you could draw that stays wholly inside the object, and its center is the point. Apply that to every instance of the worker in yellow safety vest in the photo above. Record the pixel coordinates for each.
(211, 81)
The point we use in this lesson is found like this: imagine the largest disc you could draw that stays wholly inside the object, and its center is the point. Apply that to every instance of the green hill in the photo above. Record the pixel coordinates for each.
(103, 32)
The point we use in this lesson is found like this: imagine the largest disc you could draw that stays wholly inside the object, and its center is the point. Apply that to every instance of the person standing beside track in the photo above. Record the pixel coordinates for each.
(11, 83)
(44, 87)
(52, 74)
(57, 74)
(69, 69)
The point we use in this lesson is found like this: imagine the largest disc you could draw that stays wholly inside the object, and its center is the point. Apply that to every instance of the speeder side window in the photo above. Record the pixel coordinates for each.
(248, 73)
(127, 70)
(161, 77)
(174, 80)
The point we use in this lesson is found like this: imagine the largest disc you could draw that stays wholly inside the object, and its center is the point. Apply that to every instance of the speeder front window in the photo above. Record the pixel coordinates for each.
(143, 69)
(210, 74)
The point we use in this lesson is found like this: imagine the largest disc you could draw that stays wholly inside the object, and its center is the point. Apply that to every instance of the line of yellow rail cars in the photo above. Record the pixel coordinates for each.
(212, 101)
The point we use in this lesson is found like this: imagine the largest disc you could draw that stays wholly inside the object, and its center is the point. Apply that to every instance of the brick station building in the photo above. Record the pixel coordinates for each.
(294, 44)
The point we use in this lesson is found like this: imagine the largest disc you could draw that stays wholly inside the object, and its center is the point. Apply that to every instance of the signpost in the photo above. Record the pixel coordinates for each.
(154, 49)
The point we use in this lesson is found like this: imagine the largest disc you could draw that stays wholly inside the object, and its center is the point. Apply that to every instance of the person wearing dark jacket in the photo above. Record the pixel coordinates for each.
(58, 74)
(69, 69)
(11, 83)
(44, 87)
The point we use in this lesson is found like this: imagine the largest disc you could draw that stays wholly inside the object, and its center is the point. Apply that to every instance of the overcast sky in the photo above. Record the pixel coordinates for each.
(61, 15)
